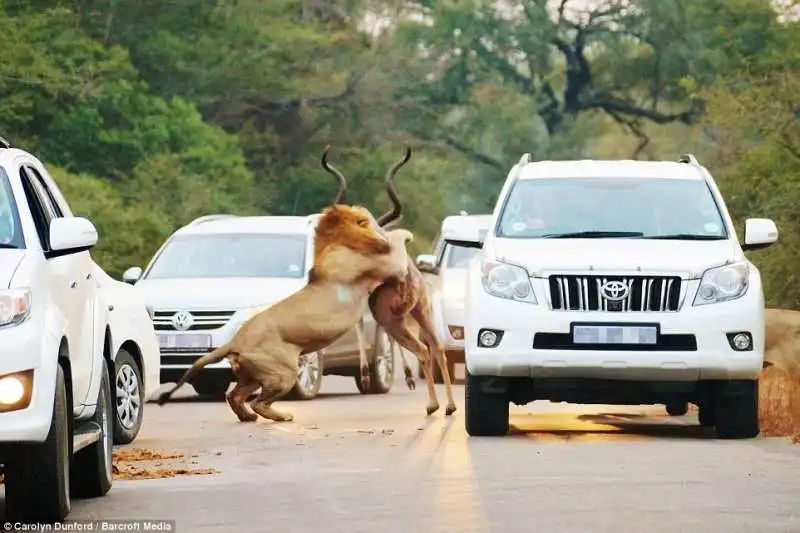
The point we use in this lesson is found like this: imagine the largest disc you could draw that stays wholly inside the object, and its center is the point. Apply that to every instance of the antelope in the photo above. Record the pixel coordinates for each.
(396, 300)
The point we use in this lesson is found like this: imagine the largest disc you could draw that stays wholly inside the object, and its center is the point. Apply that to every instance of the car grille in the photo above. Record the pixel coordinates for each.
(645, 293)
(201, 320)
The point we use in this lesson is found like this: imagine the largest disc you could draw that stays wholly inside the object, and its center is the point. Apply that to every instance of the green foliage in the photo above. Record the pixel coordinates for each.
(150, 113)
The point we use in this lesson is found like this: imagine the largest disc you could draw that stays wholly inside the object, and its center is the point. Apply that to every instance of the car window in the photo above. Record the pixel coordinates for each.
(231, 255)
(10, 227)
(49, 198)
(41, 213)
(460, 256)
(652, 207)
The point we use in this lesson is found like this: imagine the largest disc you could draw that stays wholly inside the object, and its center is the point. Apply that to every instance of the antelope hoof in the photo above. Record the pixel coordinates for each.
(431, 409)
(411, 383)
(449, 410)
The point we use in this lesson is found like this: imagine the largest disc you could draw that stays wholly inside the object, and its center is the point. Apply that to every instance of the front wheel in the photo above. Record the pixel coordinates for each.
(677, 408)
(736, 409)
(129, 395)
(381, 367)
(309, 377)
(91, 473)
(37, 476)
(487, 413)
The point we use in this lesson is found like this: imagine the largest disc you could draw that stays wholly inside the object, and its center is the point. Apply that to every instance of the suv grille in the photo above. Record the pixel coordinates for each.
(201, 320)
(644, 293)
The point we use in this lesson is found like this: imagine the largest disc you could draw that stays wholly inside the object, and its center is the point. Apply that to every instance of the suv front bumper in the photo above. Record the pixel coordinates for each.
(692, 346)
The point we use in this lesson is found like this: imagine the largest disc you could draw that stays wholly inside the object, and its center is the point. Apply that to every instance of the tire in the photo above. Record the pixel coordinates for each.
(37, 477)
(128, 393)
(309, 378)
(214, 388)
(705, 415)
(736, 409)
(486, 414)
(381, 366)
(677, 408)
(91, 472)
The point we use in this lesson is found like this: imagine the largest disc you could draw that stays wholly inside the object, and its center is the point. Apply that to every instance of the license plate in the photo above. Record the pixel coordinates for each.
(614, 334)
(185, 341)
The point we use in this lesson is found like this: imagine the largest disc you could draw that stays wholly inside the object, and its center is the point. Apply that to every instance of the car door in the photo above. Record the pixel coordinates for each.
(70, 287)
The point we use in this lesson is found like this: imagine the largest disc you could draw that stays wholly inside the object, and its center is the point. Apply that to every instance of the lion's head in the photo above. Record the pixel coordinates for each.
(352, 227)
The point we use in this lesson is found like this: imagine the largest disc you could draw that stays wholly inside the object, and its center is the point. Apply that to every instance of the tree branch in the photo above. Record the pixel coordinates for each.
(612, 104)
(475, 154)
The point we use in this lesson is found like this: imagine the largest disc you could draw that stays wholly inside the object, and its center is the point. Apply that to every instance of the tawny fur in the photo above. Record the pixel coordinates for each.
(396, 301)
(782, 341)
(351, 259)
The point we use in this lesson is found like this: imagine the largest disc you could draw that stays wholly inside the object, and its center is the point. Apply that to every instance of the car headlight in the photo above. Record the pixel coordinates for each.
(15, 306)
(507, 281)
(722, 284)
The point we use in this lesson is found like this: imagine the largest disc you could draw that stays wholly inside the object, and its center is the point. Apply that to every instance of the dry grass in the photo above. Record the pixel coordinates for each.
(780, 404)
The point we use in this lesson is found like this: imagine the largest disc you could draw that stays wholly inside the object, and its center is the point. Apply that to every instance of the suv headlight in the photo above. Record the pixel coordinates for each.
(722, 284)
(507, 281)
(15, 306)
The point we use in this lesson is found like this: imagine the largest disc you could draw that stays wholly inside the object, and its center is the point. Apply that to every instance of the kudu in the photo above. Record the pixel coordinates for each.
(394, 301)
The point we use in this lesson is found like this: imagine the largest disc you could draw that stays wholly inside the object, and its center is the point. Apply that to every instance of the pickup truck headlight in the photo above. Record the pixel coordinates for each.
(722, 284)
(15, 306)
(507, 281)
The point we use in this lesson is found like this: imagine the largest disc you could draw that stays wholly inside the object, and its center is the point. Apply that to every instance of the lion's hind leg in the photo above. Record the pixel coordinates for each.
(237, 397)
(263, 403)
(276, 375)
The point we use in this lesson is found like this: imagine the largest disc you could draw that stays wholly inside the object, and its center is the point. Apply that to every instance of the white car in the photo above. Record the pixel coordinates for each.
(615, 282)
(213, 274)
(61, 335)
(445, 273)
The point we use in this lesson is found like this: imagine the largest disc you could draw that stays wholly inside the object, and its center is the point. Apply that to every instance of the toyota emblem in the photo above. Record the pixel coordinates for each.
(614, 291)
(182, 320)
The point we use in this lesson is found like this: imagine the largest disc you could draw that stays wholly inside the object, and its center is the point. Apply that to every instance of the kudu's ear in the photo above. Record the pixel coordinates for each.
(397, 208)
(341, 196)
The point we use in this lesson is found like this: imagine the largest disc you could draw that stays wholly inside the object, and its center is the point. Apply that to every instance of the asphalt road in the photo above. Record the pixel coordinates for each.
(352, 463)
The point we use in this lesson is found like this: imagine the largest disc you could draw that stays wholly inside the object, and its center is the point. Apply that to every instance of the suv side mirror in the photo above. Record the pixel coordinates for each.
(426, 263)
(759, 233)
(132, 275)
(71, 235)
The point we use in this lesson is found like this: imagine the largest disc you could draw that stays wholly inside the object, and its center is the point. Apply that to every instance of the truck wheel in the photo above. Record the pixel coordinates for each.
(91, 467)
(486, 413)
(736, 409)
(37, 476)
(381, 367)
(677, 408)
(129, 395)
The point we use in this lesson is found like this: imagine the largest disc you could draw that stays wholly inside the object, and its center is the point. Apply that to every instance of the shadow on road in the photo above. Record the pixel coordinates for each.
(603, 426)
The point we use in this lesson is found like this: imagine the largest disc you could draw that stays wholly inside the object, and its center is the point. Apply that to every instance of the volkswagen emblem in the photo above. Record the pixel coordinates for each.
(182, 320)
(614, 291)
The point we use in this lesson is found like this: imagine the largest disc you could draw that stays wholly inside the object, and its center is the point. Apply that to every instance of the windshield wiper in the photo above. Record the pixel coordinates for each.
(593, 235)
(687, 237)
(6, 245)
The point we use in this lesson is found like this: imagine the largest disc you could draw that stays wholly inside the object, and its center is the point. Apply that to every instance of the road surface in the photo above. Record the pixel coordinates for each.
(351, 463)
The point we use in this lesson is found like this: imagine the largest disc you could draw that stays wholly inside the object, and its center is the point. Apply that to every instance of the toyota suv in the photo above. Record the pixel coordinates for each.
(215, 273)
(614, 282)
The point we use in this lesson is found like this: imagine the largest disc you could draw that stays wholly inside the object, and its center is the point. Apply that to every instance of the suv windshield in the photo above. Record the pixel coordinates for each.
(231, 255)
(10, 228)
(459, 256)
(649, 208)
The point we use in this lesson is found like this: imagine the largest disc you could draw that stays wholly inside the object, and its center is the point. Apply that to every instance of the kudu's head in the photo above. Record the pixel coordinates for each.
(396, 212)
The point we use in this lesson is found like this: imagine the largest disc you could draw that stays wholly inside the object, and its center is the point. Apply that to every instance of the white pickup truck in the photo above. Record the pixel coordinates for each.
(66, 328)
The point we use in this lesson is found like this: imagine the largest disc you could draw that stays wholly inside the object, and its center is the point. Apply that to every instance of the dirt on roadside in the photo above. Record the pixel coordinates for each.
(138, 463)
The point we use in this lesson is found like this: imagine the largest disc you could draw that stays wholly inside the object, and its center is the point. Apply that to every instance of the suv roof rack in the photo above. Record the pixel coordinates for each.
(525, 159)
(313, 217)
(689, 159)
(4, 143)
(210, 218)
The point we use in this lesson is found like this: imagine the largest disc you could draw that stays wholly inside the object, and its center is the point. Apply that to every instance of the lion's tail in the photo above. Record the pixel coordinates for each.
(214, 356)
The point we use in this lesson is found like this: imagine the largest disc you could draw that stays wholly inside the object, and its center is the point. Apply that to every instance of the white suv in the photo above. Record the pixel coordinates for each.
(213, 274)
(67, 334)
(615, 282)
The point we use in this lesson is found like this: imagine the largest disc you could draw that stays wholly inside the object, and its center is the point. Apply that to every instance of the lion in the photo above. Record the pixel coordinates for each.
(781, 336)
(351, 259)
